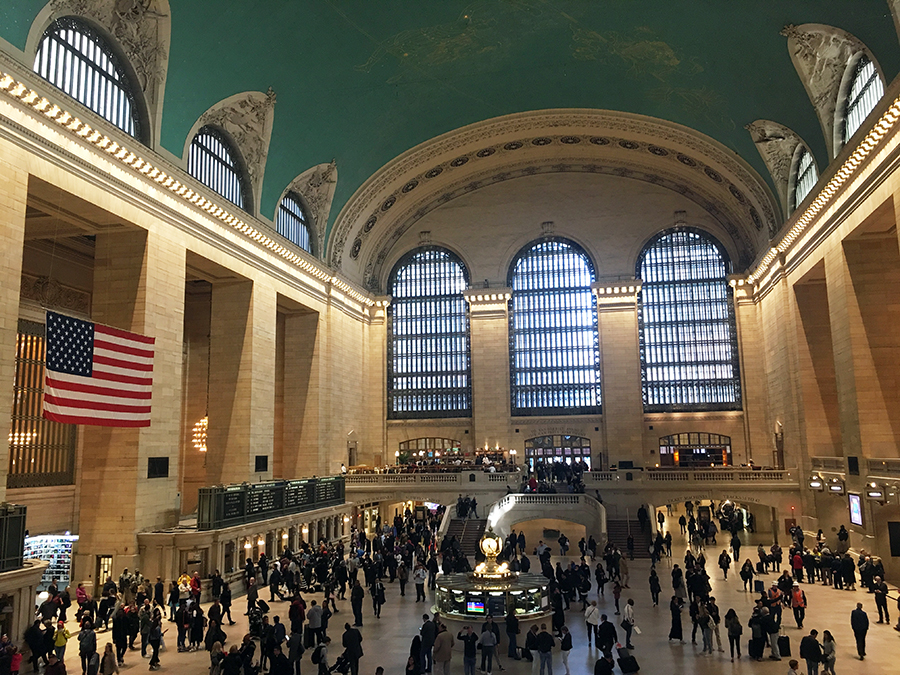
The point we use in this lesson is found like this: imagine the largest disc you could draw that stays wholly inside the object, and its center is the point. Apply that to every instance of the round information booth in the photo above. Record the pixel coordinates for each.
(492, 589)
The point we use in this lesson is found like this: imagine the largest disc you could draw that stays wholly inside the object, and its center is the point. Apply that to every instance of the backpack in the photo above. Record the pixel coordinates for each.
(317, 655)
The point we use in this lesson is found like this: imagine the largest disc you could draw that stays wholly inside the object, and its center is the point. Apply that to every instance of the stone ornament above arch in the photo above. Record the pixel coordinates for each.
(141, 30)
(821, 55)
(594, 141)
(316, 186)
(247, 120)
(776, 144)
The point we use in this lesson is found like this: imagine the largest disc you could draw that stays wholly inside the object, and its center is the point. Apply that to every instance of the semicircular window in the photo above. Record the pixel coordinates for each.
(866, 89)
(292, 221)
(553, 341)
(214, 162)
(75, 58)
(429, 371)
(688, 337)
(806, 177)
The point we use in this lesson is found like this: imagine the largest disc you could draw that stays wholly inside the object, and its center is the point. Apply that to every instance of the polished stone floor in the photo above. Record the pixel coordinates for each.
(386, 640)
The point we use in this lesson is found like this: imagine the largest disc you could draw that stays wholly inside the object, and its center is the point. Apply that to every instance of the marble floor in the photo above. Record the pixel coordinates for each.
(386, 640)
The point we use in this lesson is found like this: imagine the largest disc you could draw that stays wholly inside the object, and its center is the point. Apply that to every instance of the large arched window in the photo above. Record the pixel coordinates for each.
(688, 342)
(428, 346)
(214, 162)
(554, 354)
(866, 89)
(805, 176)
(292, 222)
(75, 58)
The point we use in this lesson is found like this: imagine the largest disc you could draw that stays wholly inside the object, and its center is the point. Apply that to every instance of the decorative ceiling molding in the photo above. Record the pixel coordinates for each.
(776, 144)
(247, 118)
(594, 141)
(316, 187)
(821, 55)
(140, 28)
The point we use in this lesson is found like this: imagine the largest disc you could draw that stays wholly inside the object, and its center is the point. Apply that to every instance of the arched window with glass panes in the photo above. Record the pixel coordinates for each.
(554, 351)
(429, 371)
(215, 162)
(866, 89)
(687, 332)
(805, 176)
(292, 221)
(75, 58)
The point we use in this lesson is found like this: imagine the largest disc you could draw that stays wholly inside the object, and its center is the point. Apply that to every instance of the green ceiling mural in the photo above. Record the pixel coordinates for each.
(362, 81)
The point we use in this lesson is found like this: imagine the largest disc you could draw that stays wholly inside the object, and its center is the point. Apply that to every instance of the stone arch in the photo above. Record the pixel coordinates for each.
(316, 187)
(794, 171)
(821, 55)
(776, 144)
(577, 508)
(549, 141)
(140, 30)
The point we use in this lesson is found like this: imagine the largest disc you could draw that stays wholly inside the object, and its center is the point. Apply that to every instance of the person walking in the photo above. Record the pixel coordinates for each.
(676, 632)
(443, 650)
(735, 629)
(545, 644)
(60, 639)
(811, 652)
(725, 563)
(859, 624)
(704, 622)
(488, 641)
(356, 600)
(87, 644)
(606, 635)
(591, 619)
(470, 641)
(798, 604)
(628, 622)
(565, 646)
(428, 633)
(829, 653)
(655, 587)
(352, 643)
(420, 575)
(377, 597)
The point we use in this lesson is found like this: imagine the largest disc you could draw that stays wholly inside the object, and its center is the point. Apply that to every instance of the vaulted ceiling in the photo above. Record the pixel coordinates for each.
(362, 82)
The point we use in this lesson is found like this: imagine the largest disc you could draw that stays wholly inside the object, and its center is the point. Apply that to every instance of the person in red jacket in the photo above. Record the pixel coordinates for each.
(797, 565)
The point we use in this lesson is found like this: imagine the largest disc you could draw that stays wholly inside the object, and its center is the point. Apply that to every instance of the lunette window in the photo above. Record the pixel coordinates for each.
(73, 57)
(866, 89)
(429, 372)
(688, 342)
(292, 221)
(554, 350)
(807, 176)
(214, 162)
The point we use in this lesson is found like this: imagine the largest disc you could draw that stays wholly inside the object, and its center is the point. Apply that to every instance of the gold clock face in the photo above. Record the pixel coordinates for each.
(490, 546)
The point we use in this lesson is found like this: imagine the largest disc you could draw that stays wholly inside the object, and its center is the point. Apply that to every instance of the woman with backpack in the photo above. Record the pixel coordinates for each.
(735, 629)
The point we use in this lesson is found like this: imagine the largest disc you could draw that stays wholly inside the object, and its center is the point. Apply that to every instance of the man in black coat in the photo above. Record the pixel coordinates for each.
(859, 623)
(811, 651)
(606, 635)
(604, 665)
(352, 643)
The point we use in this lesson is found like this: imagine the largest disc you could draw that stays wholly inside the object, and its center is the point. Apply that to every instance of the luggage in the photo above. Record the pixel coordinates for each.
(307, 637)
(623, 652)
(263, 606)
(756, 647)
(760, 568)
(784, 645)
(759, 586)
(628, 665)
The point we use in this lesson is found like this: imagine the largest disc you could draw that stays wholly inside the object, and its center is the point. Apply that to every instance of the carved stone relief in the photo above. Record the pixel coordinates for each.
(820, 55)
(141, 29)
(50, 293)
(247, 118)
(776, 145)
(316, 186)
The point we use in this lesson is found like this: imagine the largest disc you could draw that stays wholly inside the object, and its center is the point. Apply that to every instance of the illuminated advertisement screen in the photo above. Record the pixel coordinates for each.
(475, 606)
(855, 509)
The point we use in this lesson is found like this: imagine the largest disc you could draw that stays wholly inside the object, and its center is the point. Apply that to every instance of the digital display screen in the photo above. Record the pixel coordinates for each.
(855, 509)
(475, 606)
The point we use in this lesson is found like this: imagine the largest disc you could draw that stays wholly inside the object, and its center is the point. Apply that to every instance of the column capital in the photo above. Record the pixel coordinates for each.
(616, 296)
(378, 311)
(488, 303)
(744, 291)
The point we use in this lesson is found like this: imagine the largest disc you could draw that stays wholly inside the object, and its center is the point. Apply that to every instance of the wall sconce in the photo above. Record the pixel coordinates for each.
(261, 542)
(247, 545)
(284, 535)
(305, 530)
(200, 432)
(836, 486)
(874, 492)
(816, 482)
(346, 519)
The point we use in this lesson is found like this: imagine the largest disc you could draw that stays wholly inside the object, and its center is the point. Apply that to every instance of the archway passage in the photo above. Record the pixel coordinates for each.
(695, 449)
(558, 448)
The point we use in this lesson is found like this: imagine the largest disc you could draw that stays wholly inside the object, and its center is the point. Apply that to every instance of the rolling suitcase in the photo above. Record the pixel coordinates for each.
(263, 606)
(760, 568)
(759, 586)
(784, 645)
(627, 663)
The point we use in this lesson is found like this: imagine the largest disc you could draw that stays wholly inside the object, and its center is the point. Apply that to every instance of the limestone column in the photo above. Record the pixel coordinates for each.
(12, 239)
(138, 287)
(242, 373)
(489, 346)
(302, 383)
(620, 373)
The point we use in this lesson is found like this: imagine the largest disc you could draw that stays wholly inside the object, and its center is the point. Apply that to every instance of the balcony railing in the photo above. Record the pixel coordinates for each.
(828, 464)
(884, 467)
(459, 478)
(719, 475)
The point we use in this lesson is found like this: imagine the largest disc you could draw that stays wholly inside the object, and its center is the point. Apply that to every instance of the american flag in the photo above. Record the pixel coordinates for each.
(96, 374)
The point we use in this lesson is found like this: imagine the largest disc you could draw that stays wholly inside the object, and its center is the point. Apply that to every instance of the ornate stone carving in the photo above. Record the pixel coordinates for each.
(316, 186)
(141, 30)
(247, 118)
(821, 55)
(776, 145)
(50, 293)
(462, 152)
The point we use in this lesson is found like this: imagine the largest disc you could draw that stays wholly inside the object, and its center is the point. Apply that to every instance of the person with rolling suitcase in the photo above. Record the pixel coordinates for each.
(627, 663)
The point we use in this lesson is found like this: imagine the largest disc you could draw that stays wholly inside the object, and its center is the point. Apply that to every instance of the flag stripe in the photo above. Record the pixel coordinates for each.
(118, 333)
(123, 349)
(132, 410)
(134, 383)
(94, 420)
(119, 363)
(109, 354)
(54, 385)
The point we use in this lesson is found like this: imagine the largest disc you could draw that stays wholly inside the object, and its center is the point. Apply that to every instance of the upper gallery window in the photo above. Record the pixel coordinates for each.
(214, 162)
(429, 372)
(292, 222)
(866, 89)
(554, 351)
(75, 58)
(806, 177)
(688, 341)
